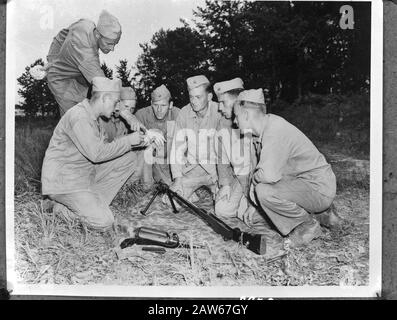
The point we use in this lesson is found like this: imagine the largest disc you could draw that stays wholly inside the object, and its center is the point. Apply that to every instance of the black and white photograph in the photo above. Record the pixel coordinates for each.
(194, 148)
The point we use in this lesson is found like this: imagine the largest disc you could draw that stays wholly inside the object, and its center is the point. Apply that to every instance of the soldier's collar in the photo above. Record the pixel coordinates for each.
(264, 127)
(207, 114)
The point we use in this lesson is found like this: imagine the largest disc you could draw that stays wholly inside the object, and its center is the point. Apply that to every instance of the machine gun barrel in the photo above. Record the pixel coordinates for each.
(254, 242)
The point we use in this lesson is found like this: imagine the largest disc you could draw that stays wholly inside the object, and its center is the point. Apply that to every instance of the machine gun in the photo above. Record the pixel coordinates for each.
(254, 242)
(154, 237)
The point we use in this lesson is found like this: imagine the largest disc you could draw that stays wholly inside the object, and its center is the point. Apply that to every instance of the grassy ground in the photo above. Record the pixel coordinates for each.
(51, 249)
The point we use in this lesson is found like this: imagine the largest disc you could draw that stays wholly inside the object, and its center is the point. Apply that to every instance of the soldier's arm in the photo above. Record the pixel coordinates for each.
(90, 144)
(224, 167)
(178, 148)
(273, 157)
(86, 54)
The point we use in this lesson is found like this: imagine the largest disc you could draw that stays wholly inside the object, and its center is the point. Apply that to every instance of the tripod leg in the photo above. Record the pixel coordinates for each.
(149, 203)
(172, 202)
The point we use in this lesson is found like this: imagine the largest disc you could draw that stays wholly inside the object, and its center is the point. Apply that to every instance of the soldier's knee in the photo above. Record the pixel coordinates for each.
(100, 220)
(264, 192)
(102, 223)
(224, 209)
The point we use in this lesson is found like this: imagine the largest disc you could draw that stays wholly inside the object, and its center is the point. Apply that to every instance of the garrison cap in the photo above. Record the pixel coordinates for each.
(160, 93)
(127, 93)
(196, 81)
(102, 84)
(253, 95)
(225, 86)
(109, 26)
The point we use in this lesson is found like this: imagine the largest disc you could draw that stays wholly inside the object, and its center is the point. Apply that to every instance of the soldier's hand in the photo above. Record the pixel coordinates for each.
(252, 193)
(177, 186)
(136, 139)
(155, 137)
(224, 193)
(133, 122)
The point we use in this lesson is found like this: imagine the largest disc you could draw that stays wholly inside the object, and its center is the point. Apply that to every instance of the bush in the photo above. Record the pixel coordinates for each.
(31, 141)
(337, 120)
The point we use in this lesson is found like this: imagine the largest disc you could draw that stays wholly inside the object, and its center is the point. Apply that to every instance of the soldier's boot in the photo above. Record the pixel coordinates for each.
(303, 234)
(47, 205)
(329, 218)
(61, 210)
(258, 224)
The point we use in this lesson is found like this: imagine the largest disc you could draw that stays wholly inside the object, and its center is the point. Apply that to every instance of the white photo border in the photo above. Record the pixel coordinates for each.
(375, 243)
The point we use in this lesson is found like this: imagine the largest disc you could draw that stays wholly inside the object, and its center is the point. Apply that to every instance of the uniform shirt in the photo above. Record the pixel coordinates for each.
(195, 137)
(287, 152)
(236, 156)
(74, 55)
(75, 148)
(147, 117)
(114, 128)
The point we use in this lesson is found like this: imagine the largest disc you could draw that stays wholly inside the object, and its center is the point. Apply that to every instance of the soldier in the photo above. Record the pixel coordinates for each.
(292, 179)
(83, 172)
(233, 183)
(116, 126)
(73, 58)
(193, 158)
(161, 116)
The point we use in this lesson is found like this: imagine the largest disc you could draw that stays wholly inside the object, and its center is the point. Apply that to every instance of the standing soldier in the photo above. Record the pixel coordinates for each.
(292, 179)
(73, 58)
(161, 116)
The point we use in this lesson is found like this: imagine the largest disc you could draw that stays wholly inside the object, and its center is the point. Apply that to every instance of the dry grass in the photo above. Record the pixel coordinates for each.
(53, 250)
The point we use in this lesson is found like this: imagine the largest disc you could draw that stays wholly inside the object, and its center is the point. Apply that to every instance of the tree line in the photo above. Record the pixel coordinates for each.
(290, 49)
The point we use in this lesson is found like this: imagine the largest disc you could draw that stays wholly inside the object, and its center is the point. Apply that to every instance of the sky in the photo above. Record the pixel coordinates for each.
(34, 23)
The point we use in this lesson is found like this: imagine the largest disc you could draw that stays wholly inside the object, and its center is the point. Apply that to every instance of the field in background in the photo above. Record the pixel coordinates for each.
(53, 250)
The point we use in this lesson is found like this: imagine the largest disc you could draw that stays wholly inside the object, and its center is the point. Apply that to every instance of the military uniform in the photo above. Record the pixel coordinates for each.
(81, 170)
(292, 177)
(73, 61)
(234, 158)
(199, 165)
(239, 153)
(117, 126)
(114, 127)
(160, 170)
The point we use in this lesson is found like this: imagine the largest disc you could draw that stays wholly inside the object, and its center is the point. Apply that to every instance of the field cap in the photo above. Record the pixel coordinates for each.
(196, 81)
(225, 86)
(160, 93)
(108, 26)
(127, 93)
(102, 84)
(252, 95)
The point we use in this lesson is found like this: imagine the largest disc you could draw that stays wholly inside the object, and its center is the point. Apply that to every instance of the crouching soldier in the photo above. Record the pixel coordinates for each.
(292, 179)
(160, 116)
(83, 172)
(193, 158)
(116, 126)
(233, 150)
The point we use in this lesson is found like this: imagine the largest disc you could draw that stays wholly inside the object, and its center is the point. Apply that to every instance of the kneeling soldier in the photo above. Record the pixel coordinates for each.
(81, 170)
(161, 116)
(193, 158)
(116, 126)
(292, 179)
(233, 150)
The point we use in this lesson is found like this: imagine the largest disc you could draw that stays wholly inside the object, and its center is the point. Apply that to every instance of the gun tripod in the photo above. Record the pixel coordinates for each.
(160, 189)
